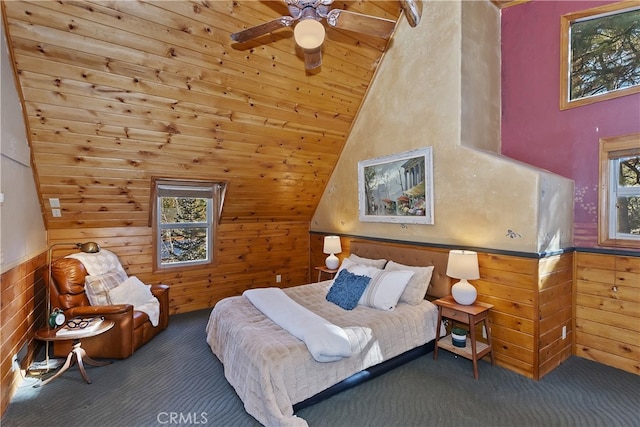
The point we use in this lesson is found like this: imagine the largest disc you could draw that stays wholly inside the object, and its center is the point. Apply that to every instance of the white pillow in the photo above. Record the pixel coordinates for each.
(100, 262)
(357, 269)
(131, 291)
(385, 288)
(377, 263)
(417, 287)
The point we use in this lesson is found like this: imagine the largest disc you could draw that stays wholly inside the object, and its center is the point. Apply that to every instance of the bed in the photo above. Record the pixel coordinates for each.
(272, 371)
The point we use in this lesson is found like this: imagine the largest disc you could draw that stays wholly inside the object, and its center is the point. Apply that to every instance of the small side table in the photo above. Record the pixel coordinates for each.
(77, 353)
(324, 270)
(470, 315)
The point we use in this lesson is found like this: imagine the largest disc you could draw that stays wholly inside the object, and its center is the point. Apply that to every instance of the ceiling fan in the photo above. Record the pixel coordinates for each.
(309, 32)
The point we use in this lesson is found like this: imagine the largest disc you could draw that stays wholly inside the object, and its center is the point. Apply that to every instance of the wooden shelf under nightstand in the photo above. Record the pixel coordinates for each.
(470, 315)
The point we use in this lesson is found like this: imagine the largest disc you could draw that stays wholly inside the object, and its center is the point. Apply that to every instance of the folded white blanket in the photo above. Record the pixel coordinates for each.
(135, 292)
(326, 342)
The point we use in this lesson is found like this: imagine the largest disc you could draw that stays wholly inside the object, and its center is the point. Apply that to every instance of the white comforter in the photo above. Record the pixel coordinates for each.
(271, 370)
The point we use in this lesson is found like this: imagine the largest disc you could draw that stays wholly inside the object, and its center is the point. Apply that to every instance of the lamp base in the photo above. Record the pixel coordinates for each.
(464, 293)
(332, 262)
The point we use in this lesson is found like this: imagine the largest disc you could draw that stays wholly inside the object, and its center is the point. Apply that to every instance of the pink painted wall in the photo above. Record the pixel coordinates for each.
(534, 129)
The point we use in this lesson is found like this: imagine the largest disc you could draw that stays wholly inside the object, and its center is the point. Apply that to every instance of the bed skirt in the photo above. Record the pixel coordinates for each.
(366, 375)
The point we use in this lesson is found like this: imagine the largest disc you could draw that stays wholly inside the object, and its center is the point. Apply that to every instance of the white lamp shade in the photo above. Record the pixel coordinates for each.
(332, 246)
(463, 265)
(309, 33)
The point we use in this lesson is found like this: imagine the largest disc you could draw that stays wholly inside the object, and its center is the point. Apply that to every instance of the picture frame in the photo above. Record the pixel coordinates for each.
(599, 54)
(397, 188)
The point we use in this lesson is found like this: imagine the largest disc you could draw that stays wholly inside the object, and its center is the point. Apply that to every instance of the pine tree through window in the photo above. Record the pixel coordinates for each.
(600, 54)
(185, 217)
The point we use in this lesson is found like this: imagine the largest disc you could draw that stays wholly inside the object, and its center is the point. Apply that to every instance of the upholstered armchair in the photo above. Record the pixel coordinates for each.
(133, 328)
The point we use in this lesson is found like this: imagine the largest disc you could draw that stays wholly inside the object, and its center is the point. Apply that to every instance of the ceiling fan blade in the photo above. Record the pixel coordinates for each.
(312, 58)
(367, 24)
(412, 10)
(262, 29)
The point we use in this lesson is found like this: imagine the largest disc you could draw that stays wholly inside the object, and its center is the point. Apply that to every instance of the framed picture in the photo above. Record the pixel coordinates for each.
(600, 54)
(397, 188)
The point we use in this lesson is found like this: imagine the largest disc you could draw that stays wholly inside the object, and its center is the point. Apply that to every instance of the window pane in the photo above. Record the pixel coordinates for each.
(628, 215)
(183, 210)
(630, 172)
(604, 54)
(185, 214)
(183, 245)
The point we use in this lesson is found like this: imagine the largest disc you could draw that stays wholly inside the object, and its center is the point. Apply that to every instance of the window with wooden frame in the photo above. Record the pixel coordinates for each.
(185, 215)
(619, 192)
(599, 54)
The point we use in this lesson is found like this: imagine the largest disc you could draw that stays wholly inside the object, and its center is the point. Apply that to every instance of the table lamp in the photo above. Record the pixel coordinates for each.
(332, 246)
(463, 265)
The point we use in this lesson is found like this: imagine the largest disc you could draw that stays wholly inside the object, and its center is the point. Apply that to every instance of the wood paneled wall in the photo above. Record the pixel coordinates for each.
(509, 284)
(21, 313)
(115, 93)
(532, 303)
(607, 310)
(248, 255)
(555, 302)
(531, 300)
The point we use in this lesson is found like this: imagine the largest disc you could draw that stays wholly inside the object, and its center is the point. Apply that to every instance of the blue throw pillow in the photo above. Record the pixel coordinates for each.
(347, 289)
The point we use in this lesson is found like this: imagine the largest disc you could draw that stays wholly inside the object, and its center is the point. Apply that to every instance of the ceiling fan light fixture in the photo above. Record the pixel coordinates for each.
(309, 34)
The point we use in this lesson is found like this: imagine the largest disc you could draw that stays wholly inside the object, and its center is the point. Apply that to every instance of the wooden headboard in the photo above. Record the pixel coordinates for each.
(410, 255)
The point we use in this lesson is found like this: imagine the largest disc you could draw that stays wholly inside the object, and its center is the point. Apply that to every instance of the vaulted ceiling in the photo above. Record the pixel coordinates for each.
(118, 92)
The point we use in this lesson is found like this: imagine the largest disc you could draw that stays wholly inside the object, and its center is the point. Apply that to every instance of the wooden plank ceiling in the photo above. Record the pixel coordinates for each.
(117, 92)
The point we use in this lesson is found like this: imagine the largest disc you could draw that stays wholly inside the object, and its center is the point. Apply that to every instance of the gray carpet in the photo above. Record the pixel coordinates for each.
(176, 380)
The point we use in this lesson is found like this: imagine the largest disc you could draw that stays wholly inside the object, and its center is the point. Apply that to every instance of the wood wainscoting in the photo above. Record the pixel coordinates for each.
(248, 255)
(532, 299)
(21, 313)
(607, 309)
(532, 306)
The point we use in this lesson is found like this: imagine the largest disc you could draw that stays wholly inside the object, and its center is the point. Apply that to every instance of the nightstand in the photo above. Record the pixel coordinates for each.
(324, 270)
(470, 315)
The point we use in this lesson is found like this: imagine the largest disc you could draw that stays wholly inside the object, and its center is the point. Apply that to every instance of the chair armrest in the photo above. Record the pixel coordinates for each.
(118, 342)
(99, 310)
(158, 289)
(161, 291)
